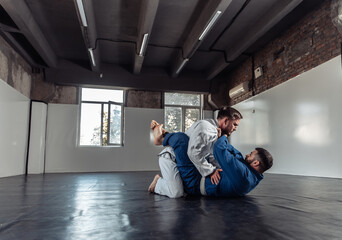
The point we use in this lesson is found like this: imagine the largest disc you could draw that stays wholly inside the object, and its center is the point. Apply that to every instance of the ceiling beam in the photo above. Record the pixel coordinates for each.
(148, 12)
(24, 19)
(261, 26)
(18, 48)
(156, 79)
(85, 11)
(218, 67)
(5, 31)
(6, 28)
(213, 9)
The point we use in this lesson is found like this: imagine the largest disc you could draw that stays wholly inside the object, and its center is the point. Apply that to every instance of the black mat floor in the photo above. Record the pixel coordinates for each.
(117, 206)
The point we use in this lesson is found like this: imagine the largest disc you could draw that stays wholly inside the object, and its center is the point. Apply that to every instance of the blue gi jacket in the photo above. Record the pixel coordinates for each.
(237, 178)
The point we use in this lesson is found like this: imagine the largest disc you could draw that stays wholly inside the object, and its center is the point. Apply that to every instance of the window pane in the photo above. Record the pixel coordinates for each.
(191, 116)
(115, 124)
(90, 124)
(173, 119)
(182, 99)
(102, 95)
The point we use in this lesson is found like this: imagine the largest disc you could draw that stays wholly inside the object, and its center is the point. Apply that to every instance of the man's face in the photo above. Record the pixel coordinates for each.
(230, 126)
(251, 157)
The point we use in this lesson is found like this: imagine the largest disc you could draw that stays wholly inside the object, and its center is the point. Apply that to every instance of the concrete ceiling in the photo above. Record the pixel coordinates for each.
(50, 35)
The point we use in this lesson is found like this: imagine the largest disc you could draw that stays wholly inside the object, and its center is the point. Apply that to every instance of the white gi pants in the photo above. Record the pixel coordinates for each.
(170, 184)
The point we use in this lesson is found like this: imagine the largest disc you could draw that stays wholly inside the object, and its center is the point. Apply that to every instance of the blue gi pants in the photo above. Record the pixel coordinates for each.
(189, 174)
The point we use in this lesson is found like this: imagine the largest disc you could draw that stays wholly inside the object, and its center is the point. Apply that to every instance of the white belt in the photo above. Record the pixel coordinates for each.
(202, 186)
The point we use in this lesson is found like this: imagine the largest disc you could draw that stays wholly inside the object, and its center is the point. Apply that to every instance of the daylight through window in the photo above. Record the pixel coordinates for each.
(101, 117)
(181, 111)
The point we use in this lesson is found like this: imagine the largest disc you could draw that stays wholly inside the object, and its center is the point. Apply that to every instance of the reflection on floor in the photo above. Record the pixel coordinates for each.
(117, 206)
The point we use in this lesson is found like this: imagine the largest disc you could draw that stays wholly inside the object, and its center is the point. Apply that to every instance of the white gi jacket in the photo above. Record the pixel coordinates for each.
(202, 136)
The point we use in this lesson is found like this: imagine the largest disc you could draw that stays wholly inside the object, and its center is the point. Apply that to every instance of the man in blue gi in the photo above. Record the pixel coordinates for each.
(238, 176)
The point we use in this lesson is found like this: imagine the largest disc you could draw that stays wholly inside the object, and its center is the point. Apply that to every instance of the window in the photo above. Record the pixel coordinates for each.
(181, 111)
(101, 117)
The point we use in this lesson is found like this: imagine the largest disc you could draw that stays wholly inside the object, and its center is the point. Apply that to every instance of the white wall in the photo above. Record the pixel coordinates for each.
(299, 122)
(63, 154)
(138, 153)
(14, 113)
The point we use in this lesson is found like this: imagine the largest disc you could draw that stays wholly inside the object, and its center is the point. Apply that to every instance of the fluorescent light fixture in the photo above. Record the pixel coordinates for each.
(92, 56)
(210, 25)
(143, 45)
(182, 65)
(82, 13)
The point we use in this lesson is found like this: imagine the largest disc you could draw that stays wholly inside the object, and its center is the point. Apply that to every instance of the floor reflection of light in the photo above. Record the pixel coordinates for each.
(313, 124)
(97, 211)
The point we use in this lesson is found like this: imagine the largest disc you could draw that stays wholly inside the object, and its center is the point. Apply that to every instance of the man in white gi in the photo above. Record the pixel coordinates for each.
(202, 136)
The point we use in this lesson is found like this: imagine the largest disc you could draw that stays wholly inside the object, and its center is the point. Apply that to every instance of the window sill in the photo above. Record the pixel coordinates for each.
(91, 146)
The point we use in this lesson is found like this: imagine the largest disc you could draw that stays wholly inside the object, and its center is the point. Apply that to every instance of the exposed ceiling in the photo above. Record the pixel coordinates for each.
(106, 49)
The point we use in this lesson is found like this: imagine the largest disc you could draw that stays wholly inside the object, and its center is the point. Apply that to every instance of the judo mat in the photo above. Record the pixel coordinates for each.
(117, 206)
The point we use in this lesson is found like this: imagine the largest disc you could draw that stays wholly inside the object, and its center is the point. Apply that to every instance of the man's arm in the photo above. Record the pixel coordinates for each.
(226, 155)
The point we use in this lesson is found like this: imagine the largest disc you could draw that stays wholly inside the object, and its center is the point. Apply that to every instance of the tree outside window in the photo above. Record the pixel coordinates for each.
(181, 111)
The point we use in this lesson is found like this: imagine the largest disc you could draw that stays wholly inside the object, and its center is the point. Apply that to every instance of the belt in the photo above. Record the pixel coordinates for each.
(202, 186)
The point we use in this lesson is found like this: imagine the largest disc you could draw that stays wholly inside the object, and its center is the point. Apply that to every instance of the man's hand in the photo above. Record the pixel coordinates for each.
(215, 176)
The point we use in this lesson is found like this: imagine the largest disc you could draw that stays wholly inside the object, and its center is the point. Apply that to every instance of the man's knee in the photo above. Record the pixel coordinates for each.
(176, 193)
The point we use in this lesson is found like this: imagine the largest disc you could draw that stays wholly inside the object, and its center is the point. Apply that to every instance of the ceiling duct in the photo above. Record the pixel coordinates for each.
(211, 102)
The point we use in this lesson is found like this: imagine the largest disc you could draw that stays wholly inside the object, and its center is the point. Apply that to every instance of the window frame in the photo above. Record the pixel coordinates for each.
(103, 103)
(185, 107)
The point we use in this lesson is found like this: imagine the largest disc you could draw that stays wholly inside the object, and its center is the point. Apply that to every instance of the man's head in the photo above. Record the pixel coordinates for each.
(228, 119)
(260, 159)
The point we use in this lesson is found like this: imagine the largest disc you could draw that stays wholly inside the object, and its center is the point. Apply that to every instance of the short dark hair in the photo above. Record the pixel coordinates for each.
(265, 158)
(229, 112)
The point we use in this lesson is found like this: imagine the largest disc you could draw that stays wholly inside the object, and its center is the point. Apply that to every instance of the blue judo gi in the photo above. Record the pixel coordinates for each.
(237, 177)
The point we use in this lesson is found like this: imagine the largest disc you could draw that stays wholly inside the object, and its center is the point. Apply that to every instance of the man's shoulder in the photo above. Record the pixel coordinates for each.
(209, 123)
(206, 126)
(202, 127)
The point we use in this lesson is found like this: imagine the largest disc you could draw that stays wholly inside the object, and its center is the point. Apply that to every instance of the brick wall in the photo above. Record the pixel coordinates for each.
(14, 70)
(309, 43)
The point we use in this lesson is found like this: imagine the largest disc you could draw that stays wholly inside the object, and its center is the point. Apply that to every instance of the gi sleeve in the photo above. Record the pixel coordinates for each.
(227, 156)
(200, 147)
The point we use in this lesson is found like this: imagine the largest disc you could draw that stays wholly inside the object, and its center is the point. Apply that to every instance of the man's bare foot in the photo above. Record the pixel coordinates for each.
(153, 184)
(154, 123)
(158, 132)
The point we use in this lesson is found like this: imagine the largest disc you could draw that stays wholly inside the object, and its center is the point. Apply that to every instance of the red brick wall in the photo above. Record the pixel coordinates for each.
(309, 43)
